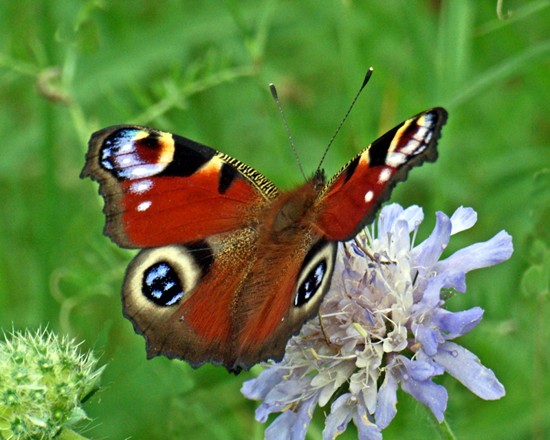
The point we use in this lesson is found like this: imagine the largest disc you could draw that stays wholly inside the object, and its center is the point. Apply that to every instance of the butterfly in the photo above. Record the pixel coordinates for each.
(231, 267)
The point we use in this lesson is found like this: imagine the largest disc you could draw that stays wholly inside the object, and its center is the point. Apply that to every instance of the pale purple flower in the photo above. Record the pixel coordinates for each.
(382, 326)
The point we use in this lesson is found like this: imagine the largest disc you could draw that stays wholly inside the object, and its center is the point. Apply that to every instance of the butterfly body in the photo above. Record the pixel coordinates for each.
(230, 266)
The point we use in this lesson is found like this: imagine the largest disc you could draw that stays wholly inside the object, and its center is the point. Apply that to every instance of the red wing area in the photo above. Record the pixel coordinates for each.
(161, 188)
(182, 209)
(349, 203)
(350, 200)
(200, 329)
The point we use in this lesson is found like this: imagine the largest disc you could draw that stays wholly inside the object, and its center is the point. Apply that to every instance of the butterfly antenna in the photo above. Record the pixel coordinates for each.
(365, 81)
(276, 98)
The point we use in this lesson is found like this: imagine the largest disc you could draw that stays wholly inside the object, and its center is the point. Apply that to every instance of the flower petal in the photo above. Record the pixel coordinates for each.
(257, 389)
(345, 408)
(292, 424)
(418, 383)
(454, 280)
(341, 412)
(265, 409)
(281, 426)
(431, 295)
(430, 394)
(329, 381)
(401, 239)
(387, 217)
(386, 407)
(457, 323)
(414, 216)
(428, 338)
(428, 252)
(366, 429)
(467, 369)
(462, 219)
(281, 395)
(287, 390)
(491, 252)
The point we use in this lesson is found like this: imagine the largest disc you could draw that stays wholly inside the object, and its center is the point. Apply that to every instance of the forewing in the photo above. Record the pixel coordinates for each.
(161, 189)
(350, 200)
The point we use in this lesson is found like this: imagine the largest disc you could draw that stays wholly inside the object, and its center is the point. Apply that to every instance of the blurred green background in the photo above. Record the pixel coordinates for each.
(201, 69)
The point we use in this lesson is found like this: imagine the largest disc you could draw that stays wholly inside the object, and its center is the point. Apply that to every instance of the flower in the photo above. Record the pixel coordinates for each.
(43, 379)
(382, 325)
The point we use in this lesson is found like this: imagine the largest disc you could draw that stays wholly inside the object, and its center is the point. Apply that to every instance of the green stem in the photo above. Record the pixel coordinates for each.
(443, 429)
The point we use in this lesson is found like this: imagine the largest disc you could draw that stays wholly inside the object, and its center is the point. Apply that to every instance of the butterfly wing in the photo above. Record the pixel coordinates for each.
(161, 189)
(352, 197)
(181, 298)
(195, 210)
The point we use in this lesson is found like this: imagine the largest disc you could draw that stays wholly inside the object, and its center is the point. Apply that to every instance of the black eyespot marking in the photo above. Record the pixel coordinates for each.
(189, 156)
(227, 176)
(379, 148)
(151, 141)
(161, 284)
(202, 254)
(315, 274)
(350, 169)
(311, 284)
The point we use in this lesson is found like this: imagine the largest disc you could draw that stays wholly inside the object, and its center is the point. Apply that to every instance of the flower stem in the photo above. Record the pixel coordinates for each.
(445, 430)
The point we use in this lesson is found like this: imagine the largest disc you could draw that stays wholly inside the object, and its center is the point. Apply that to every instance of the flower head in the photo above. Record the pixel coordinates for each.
(382, 325)
(43, 379)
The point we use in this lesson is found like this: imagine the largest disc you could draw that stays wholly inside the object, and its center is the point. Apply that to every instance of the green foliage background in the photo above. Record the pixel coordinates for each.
(201, 69)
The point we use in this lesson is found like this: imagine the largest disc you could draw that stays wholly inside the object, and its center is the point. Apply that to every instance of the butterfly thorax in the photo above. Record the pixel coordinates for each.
(290, 209)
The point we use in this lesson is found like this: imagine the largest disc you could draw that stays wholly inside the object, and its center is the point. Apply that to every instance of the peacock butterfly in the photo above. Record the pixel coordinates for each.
(230, 267)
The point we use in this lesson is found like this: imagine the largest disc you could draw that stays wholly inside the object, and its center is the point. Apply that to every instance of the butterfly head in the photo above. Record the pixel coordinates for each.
(318, 180)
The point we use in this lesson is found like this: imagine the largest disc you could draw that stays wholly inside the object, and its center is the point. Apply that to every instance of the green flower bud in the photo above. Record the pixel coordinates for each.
(43, 380)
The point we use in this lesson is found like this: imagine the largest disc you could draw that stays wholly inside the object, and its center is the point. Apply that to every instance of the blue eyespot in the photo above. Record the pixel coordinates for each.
(311, 284)
(161, 285)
